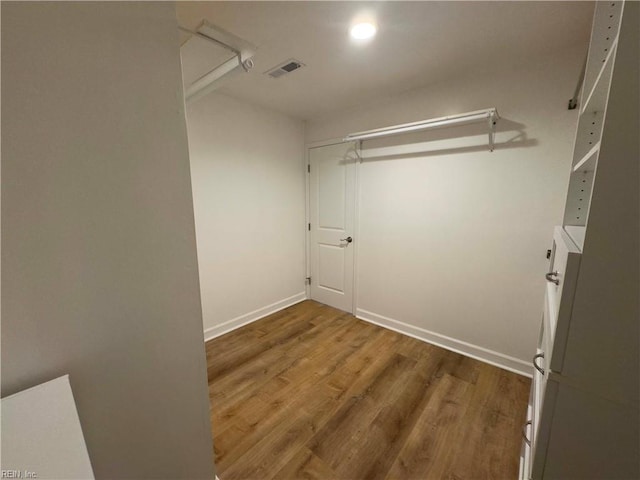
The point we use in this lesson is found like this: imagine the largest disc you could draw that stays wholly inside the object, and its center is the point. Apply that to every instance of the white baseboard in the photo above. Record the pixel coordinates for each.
(229, 325)
(479, 353)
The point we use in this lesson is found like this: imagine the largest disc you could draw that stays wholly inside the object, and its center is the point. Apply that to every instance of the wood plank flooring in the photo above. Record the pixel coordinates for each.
(311, 392)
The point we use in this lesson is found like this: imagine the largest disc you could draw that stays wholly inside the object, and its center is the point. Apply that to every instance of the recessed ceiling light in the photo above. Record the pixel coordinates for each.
(362, 31)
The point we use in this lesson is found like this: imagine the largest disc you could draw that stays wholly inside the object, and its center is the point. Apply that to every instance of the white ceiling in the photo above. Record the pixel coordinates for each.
(418, 43)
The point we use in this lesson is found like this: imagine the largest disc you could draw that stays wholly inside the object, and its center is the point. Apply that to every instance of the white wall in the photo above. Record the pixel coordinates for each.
(99, 266)
(452, 240)
(247, 167)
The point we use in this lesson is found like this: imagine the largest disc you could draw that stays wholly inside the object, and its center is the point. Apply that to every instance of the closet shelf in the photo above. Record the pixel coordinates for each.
(597, 98)
(588, 162)
(577, 234)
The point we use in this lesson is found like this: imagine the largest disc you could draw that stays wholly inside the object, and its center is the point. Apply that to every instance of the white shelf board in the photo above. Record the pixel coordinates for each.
(577, 234)
(588, 162)
(597, 98)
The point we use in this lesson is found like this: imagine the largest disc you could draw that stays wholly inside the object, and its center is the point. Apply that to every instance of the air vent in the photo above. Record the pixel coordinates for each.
(284, 68)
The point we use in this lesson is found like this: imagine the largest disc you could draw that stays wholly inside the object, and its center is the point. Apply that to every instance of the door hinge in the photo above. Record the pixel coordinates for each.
(309, 168)
(309, 227)
(307, 281)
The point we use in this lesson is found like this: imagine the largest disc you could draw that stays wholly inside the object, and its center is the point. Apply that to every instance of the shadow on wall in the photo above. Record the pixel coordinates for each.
(447, 141)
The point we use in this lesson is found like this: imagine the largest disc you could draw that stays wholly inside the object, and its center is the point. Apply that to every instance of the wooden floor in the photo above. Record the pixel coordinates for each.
(311, 392)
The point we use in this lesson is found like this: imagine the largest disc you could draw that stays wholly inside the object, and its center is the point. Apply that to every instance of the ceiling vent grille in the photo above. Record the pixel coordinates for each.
(284, 68)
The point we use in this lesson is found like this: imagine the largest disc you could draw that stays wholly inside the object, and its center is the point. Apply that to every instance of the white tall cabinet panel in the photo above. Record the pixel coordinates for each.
(584, 404)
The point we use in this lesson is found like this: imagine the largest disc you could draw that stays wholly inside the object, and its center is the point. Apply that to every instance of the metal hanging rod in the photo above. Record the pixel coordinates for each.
(490, 115)
(242, 50)
(209, 39)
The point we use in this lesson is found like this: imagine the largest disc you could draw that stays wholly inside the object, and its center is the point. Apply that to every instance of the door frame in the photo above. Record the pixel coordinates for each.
(356, 214)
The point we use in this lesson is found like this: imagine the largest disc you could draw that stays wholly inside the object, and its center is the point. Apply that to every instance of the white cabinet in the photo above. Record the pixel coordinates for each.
(554, 329)
(584, 404)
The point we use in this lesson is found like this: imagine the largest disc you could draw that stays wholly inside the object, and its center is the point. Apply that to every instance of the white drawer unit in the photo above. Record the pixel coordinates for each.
(583, 416)
(537, 427)
(560, 291)
(525, 452)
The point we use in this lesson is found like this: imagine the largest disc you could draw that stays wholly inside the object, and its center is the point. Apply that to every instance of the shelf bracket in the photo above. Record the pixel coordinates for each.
(492, 131)
(573, 101)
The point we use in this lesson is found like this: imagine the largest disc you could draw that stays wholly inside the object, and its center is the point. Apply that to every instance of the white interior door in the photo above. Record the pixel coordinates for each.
(332, 181)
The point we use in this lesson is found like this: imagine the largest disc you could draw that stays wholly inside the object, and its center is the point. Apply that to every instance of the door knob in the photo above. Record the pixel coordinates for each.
(348, 239)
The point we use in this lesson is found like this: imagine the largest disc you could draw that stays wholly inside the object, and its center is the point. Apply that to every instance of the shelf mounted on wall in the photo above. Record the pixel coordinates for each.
(489, 115)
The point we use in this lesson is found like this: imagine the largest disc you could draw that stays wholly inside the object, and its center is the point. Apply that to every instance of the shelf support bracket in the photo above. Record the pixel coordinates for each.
(492, 131)
(573, 101)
